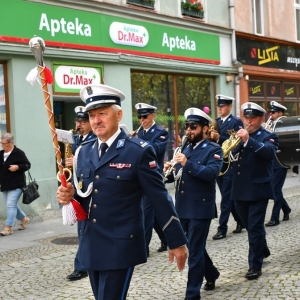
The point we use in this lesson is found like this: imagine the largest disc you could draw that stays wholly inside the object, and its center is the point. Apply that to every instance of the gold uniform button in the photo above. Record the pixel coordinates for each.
(94, 220)
(96, 191)
(95, 206)
(97, 177)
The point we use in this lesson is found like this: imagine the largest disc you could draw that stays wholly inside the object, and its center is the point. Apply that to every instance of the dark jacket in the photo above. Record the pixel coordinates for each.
(113, 235)
(13, 180)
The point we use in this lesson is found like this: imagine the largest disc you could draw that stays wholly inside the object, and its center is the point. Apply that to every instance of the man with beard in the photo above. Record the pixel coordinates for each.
(85, 133)
(252, 182)
(117, 170)
(197, 169)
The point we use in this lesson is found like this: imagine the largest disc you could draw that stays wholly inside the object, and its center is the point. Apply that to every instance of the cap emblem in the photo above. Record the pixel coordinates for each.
(89, 90)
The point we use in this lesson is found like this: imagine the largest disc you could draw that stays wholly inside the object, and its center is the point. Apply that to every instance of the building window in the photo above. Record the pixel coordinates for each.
(258, 19)
(297, 18)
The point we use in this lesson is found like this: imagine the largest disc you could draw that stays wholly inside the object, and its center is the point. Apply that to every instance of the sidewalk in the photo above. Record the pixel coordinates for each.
(33, 267)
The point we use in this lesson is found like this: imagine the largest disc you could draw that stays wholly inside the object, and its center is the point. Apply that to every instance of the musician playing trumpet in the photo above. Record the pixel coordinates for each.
(252, 182)
(226, 122)
(158, 138)
(200, 163)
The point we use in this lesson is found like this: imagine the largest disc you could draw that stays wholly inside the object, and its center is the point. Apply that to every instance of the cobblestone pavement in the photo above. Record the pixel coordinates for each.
(38, 271)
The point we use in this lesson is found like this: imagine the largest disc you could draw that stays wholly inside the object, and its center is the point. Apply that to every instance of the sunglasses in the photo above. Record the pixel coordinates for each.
(193, 126)
(144, 117)
(273, 112)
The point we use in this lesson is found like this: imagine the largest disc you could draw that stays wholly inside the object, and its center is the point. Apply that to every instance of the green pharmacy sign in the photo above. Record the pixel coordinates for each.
(76, 29)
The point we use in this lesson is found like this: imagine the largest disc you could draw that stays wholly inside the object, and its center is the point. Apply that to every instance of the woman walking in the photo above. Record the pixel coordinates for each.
(13, 164)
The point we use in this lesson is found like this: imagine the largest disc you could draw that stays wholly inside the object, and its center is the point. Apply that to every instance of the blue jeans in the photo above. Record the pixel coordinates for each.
(11, 199)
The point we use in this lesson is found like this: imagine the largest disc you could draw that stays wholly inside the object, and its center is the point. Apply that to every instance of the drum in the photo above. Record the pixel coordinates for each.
(288, 132)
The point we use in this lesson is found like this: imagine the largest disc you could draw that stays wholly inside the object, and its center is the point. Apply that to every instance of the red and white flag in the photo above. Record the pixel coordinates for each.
(152, 164)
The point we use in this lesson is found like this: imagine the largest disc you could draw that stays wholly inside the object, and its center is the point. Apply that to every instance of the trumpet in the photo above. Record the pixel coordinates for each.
(178, 150)
(270, 124)
(136, 131)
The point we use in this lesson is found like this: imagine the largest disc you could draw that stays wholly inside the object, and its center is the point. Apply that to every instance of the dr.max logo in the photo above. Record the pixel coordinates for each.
(128, 34)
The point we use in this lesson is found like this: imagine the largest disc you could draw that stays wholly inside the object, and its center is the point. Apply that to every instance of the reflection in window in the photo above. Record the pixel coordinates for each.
(258, 16)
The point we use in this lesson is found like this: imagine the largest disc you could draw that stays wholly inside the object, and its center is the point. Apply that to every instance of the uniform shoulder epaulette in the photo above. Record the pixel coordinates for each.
(88, 141)
(138, 141)
(160, 128)
(217, 119)
(215, 144)
(236, 118)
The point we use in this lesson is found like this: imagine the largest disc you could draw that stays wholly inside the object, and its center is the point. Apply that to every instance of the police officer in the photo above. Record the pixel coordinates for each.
(157, 137)
(116, 171)
(226, 122)
(199, 165)
(252, 182)
(85, 133)
(279, 174)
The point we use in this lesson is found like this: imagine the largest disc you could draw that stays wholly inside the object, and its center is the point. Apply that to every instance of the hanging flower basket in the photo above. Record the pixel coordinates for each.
(192, 13)
(147, 3)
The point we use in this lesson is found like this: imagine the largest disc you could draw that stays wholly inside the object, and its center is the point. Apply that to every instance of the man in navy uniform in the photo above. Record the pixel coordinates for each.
(85, 133)
(197, 168)
(117, 171)
(226, 122)
(252, 182)
(279, 174)
(158, 138)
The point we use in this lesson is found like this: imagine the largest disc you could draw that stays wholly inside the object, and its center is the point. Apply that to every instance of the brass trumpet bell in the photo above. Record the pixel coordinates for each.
(67, 173)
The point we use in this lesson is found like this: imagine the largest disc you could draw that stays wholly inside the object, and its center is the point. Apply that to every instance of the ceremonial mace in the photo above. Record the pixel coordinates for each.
(73, 211)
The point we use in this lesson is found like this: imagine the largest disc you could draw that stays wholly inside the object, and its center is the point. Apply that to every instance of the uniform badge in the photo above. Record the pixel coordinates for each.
(151, 130)
(144, 144)
(258, 133)
(120, 143)
(271, 140)
(89, 90)
(216, 156)
(162, 137)
(119, 166)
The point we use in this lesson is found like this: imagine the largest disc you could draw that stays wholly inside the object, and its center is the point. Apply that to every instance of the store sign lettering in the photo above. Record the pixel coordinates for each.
(128, 34)
(72, 77)
(56, 26)
(293, 60)
(256, 89)
(176, 42)
(268, 55)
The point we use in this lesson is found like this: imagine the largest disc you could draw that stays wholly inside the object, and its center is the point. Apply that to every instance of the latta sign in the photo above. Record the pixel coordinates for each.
(70, 28)
(71, 78)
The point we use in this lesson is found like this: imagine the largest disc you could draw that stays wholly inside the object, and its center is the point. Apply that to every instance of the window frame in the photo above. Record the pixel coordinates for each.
(255, 15)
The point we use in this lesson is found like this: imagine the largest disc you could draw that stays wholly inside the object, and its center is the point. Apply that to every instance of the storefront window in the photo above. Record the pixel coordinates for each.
(172, 95)
(3, 99)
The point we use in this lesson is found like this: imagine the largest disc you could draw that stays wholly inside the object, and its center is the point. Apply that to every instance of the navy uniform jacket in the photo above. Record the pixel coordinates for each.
(158, 137)
(253, 170)
(196, 191)
(231, 122)
(90, 136)
(113, 235)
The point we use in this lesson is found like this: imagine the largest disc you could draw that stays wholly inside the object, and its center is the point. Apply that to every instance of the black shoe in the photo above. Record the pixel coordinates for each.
(267, 253)
(286, 217)
(76, 275)
(194, 298)
(219, 236)
(253, 274)
(238, 229)
(209, 285)
(272, 223)
(163, 247)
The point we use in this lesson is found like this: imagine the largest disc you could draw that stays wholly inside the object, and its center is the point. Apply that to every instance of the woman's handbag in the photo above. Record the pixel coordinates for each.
(30, 191)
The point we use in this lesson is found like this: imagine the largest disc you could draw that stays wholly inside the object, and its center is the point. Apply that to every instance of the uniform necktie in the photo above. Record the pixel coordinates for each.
(144, 132)
(80, 139)
(103, 148)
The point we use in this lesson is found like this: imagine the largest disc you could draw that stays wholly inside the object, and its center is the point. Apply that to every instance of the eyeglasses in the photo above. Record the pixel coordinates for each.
(144, 117)
(193, 126)
(81, 122)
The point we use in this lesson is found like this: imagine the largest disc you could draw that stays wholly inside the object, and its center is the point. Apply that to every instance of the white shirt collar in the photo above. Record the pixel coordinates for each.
(111, 139)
